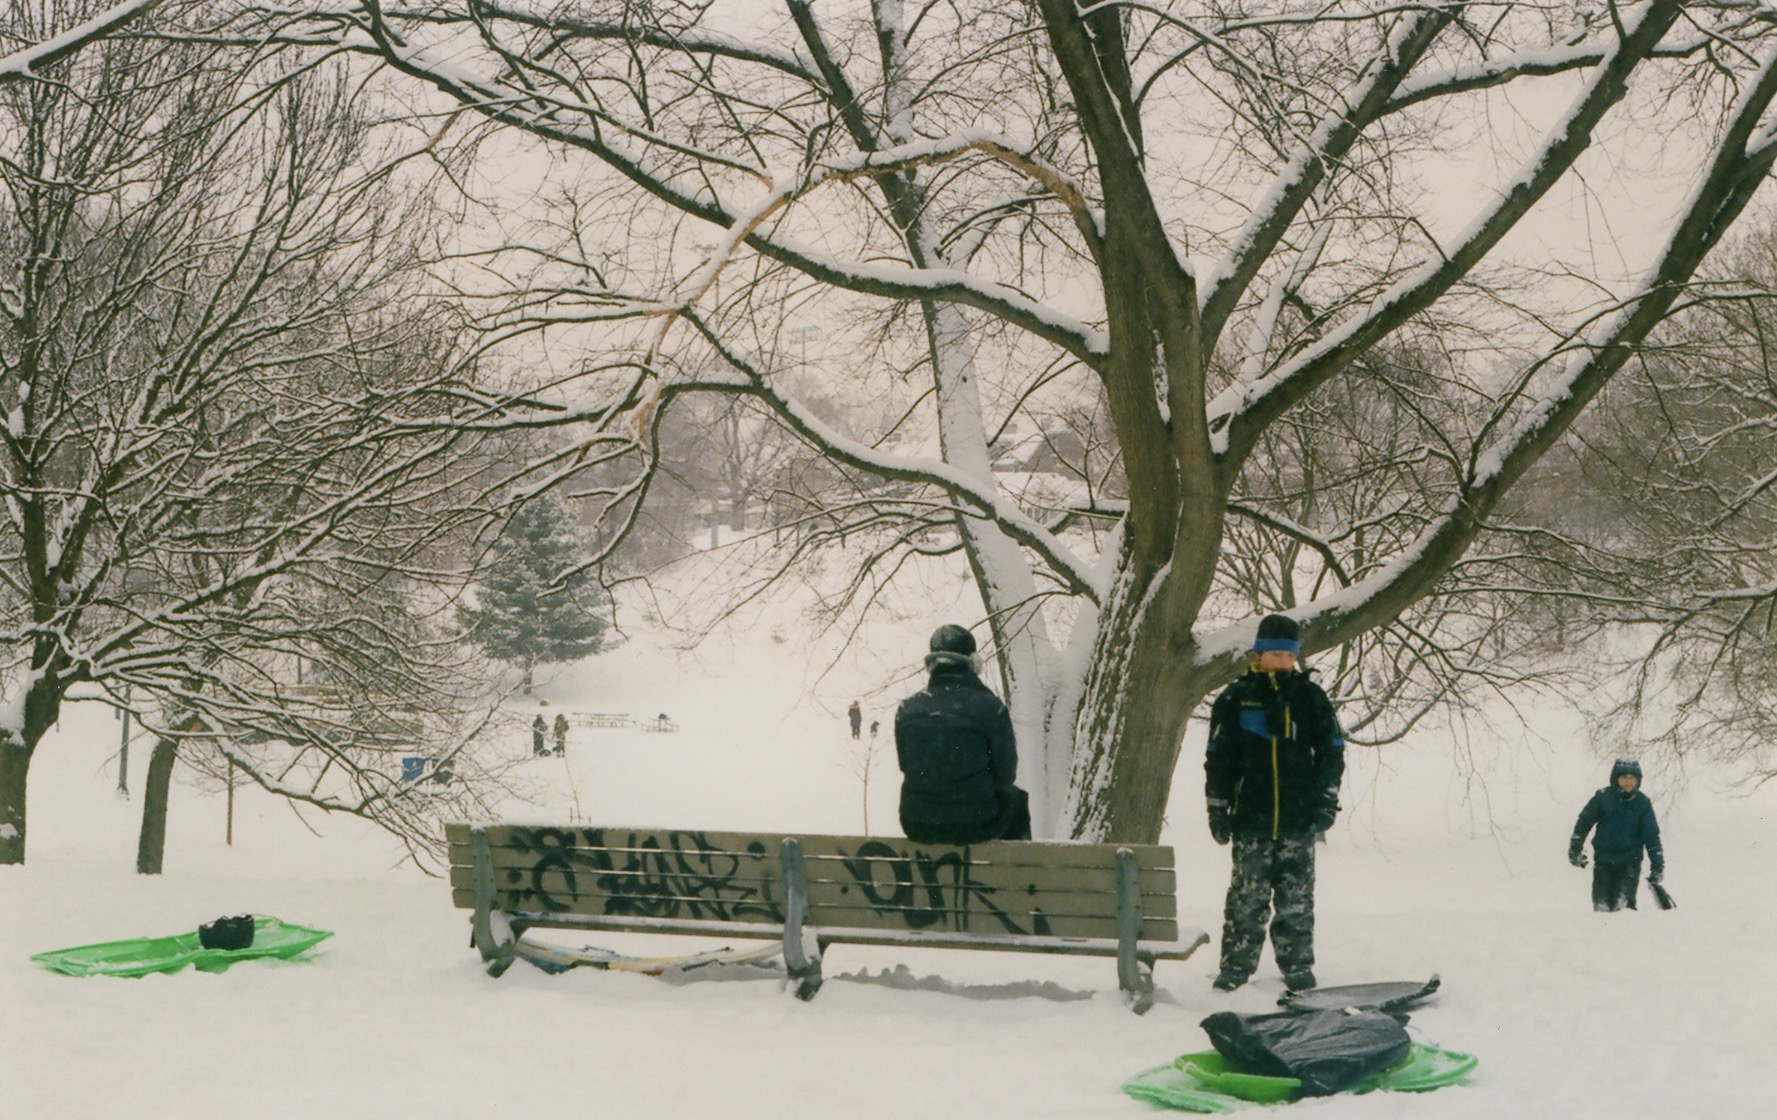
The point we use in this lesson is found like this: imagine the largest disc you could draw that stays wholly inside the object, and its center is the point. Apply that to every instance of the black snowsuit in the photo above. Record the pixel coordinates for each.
(958, 760)
(1625, 825)
(1272, 771)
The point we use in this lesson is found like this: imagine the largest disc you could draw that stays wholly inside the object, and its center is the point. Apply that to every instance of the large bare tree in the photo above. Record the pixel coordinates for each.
(239, 464)
(1208, 217)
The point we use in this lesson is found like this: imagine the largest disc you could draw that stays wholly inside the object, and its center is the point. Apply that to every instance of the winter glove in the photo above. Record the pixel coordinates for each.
(1655, 875)
(1576, 857)
(1325, 814)
(1221, 825)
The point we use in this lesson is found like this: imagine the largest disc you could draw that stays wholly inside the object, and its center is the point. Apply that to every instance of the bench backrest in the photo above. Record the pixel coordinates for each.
(861, 882)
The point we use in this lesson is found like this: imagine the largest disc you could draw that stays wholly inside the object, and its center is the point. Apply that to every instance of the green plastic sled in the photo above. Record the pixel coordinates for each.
(1211, 1069)
(1202, 1082)
(1173, 1087)
(140, 956)
(1423, 1069)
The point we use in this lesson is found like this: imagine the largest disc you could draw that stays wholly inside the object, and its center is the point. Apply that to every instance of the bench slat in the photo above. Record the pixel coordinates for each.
(594, 893)
(1190, 939)
(676, 913)
(754, 869)
(542, 838)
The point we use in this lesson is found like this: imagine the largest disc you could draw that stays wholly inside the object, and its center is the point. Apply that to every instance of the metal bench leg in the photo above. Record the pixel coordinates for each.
(1134, 975)
(492, 932)
(802, 949)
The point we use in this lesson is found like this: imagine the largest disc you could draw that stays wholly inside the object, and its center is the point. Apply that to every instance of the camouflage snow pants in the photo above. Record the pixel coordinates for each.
(1267, 870)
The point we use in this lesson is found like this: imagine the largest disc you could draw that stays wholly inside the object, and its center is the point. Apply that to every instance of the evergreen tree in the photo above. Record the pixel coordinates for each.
(537, 603)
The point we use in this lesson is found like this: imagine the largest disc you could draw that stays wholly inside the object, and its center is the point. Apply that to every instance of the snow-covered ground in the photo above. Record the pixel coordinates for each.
(1436, 866)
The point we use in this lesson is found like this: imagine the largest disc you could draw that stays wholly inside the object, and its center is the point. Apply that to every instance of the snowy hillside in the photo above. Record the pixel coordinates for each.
(1433, 868)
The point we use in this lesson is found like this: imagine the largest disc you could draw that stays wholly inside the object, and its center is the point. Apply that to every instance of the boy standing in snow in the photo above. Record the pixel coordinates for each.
(1272, 771)
(1625, 821)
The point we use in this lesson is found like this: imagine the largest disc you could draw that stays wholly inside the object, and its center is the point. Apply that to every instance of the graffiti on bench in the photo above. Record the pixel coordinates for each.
(683, 874)
(932, 891)
(662, 875)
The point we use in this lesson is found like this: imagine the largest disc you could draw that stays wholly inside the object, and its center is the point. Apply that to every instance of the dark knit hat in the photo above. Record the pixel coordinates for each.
(1278, 632)
(1624, 765)
(951, 638)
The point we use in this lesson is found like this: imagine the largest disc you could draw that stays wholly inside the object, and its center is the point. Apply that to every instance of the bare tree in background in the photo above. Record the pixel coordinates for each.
(1209, 214)
(237, 447)
(1675, 535)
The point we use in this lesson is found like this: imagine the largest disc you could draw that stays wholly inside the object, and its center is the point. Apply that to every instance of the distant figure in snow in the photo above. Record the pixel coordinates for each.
(875, 726)
(1624, 818)
(856, 715)
(539, 732)
(959, 763)
(1272, 771)
(560, 728)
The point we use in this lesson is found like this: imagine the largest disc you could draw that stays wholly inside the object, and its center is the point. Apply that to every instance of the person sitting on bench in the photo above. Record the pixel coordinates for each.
(958, 758)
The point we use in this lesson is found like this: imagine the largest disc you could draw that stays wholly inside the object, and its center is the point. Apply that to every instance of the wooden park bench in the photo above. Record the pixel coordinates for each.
(1111, 900)
(602, 719)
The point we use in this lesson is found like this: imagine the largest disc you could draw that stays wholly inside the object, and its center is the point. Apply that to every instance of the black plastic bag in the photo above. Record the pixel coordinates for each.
(1327, 1051)
(227, 933)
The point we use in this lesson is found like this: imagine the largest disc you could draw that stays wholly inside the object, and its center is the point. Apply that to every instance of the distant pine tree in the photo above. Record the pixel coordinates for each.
(537, 604)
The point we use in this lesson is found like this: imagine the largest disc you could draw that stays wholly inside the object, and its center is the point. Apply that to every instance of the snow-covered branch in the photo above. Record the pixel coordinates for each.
(545, 117)
(29, 62)
(1724, 189)
(1243, 410)
(984, 500)
(1333, 138)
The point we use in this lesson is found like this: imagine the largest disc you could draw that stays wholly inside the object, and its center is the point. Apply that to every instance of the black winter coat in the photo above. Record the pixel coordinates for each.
(1276, 755)
(958, 760)
(1626, 825)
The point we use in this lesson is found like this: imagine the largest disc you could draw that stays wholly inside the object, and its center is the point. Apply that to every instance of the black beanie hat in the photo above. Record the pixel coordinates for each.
(951, 638)
(1625, 765)
(1278, 632)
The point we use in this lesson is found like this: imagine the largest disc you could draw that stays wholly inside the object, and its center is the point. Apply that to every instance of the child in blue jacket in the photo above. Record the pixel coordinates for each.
(1624, 818)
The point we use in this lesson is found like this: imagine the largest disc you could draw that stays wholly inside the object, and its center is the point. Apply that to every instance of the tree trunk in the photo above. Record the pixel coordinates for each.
(1145, 678)
(123, 747)
(42, 707)
(123, 756)
(15, 763)
(152, 845)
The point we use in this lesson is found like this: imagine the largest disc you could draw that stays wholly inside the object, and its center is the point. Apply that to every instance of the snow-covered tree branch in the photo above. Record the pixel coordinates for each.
(51, 45)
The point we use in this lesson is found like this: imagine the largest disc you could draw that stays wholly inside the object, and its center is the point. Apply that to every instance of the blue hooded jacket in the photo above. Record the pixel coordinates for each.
(1624, 821)
(1276, 755)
